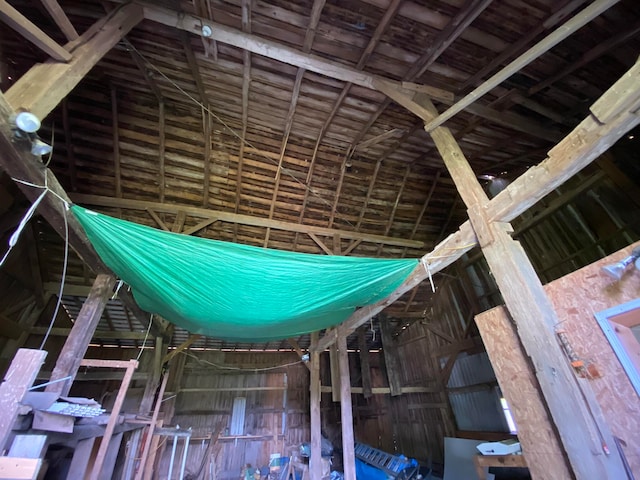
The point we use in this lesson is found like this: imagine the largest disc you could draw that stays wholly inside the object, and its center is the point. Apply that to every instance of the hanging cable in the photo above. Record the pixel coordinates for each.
(233, 132)
(144, 342)
(64, 273)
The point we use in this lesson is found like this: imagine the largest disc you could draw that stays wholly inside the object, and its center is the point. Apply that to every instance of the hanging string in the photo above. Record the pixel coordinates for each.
(425, 263)
(13, 240)
(373, 331)
(64, 272)
(144, 342)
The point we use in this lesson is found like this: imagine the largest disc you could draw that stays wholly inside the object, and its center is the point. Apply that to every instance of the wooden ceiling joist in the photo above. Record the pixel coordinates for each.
(216, 215)
(28, 30)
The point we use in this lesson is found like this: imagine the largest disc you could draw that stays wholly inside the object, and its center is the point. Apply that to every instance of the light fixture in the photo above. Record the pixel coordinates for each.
(27, 122)
(39, 148)
(206, 31)
(616, 270)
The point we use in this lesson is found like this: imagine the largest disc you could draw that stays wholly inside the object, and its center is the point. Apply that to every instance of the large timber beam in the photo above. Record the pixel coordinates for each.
(614, 114)
(217, 215)
(18, 162)
(44, 86)
(267, 48)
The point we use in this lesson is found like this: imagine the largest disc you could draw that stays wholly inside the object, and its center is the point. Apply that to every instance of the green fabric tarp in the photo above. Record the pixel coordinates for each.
(238, 292)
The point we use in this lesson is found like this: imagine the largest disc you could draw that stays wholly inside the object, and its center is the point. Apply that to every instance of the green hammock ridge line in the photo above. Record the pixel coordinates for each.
(238, 292)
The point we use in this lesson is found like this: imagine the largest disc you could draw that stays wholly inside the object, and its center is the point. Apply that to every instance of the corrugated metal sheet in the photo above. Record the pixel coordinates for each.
(478, 411)
(477, 407)
(471, 370)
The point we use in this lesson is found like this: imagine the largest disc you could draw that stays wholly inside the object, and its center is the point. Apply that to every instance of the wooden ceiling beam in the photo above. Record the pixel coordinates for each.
(193, 66)
(130, 204)
(614, 114)
(543, 46)
(267, 48)
(44, 86)
(21, 24)
(589, 56)
(61, 19)
(510, 120)
(564, 10)
(467, 14)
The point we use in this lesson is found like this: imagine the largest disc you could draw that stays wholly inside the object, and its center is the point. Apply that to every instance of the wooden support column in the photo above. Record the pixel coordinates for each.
(154, 378)
(391, 360)
(80, 459)
(105, 444)
(315, 461)
(346, 411)
(335, 372)
(575, 411)
(365, 366)
(20, 376)
(78, 340)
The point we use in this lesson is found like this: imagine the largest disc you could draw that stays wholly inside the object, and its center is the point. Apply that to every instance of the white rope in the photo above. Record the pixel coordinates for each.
(64, 273)
(425, 263)
(144, 342)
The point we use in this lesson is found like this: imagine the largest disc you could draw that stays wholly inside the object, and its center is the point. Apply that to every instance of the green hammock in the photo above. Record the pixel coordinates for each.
(238, 292)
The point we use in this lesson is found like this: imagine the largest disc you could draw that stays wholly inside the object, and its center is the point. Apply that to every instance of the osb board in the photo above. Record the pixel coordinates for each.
(537, 435)
(576, 298)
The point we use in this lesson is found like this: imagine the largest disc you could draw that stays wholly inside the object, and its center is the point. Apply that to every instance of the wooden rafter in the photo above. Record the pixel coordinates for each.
(246, 80)
(564, 9)
(31, 32)
(44, 86)
(241, 219)
(316, 11)
(61, 19)
(595, 52)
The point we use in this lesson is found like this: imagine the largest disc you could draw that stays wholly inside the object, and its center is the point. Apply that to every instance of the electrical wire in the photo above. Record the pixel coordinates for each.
(64, 272)
(225, 367)
(144, 342)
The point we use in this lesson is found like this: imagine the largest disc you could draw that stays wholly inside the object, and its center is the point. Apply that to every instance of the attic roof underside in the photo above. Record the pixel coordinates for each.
(291, 151)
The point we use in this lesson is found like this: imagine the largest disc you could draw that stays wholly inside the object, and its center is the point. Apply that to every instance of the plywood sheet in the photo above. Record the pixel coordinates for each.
(576, 298)
(516, 377)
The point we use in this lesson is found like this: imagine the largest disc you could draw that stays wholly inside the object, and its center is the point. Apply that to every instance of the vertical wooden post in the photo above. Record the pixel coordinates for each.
(80, 459)
(78, 340)
(315, 461)
(154, 379)
(335, 372)
(20, 376)
(365, 366)
(575, 412)
(346, 410)
(391, 360)
(113, 417)
(152, 426)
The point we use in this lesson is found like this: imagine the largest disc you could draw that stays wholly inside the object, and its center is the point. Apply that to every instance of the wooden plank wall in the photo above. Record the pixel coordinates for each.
(576, 298)
(208, 387)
